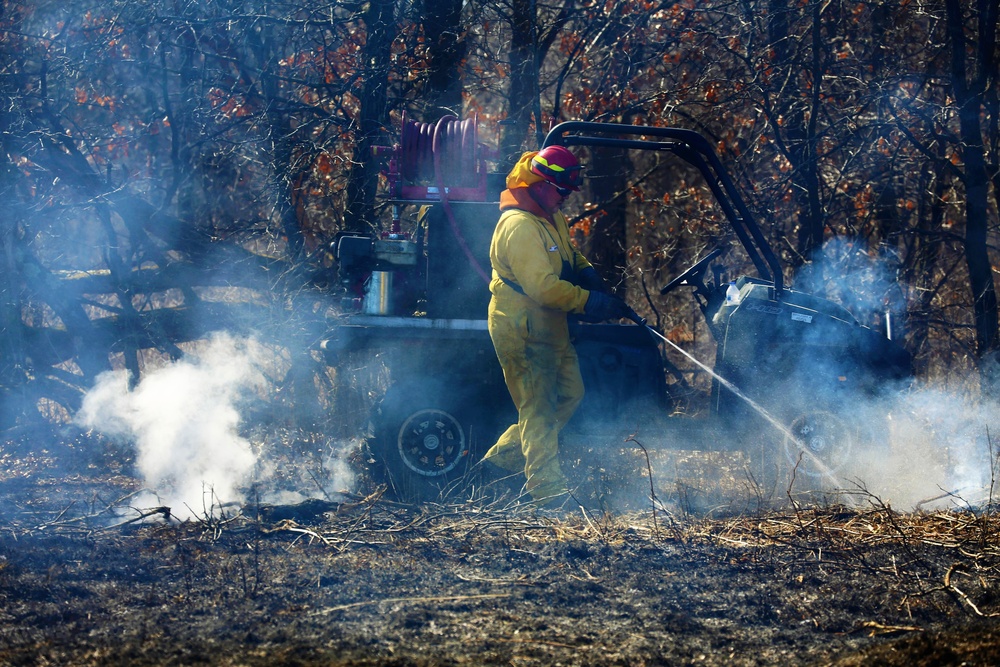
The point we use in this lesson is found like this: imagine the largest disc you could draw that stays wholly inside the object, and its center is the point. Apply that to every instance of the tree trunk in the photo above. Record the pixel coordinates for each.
(11, 343)
(800, 131)
(443, 29)
(522, 92)
(379, 18)
(607, 179)
(924, 253)
(969, 96)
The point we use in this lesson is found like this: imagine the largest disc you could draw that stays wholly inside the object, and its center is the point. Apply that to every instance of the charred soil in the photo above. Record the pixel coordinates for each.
(366, 581)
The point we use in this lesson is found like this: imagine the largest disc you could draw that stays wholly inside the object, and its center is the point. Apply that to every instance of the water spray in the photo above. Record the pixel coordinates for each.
(824, 470)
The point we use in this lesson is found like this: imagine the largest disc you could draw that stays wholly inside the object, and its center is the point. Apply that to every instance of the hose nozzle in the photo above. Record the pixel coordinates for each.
(634, 316)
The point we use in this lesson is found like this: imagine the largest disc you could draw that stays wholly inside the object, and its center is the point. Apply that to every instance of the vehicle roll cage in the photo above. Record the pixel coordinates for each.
(696, 151)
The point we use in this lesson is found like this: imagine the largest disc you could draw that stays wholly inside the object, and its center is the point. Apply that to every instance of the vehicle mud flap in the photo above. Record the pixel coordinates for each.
(420, 441)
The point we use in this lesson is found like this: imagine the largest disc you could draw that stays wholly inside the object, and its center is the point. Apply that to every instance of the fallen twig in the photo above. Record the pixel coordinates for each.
(164, 511)
(882, 629)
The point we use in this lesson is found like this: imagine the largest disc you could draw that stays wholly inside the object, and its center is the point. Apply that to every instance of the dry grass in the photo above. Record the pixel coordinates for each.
(89, 577)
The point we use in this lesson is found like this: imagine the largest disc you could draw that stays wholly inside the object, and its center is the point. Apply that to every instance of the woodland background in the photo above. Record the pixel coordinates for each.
(178, 167)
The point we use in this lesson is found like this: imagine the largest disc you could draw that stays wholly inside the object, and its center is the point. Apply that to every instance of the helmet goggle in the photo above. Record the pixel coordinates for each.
(563, 192)
(565, 179)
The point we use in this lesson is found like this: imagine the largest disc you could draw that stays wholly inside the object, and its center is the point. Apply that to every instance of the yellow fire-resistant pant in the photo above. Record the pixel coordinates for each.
(542, 373)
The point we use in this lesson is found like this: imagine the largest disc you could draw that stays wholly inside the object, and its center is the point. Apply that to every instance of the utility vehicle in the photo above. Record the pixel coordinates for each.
(791, 370)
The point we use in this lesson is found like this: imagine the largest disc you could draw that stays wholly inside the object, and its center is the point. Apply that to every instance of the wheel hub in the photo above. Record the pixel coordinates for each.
(822, 443)
(431, 442)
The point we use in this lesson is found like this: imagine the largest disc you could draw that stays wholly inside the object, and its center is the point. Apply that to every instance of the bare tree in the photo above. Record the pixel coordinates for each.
(158, 151)
(973, 76)
(379, 23)
(446, 51)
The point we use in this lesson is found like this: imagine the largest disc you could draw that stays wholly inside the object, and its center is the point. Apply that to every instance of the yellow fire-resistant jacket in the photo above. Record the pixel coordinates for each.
(538, 256)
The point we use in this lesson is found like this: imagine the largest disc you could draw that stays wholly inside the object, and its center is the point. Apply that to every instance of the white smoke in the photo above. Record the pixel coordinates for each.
(942, 451)
(921, 449)
(912, 447)
(184, 422)
(847, 272)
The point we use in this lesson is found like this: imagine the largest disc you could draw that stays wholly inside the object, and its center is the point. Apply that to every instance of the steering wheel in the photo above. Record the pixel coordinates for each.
(694, 274)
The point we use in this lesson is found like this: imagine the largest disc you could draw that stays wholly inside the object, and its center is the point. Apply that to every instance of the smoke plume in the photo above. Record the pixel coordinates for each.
(941, 451)
(184, 422)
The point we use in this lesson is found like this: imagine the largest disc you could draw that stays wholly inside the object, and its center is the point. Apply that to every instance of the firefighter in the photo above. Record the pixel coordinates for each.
(538, 279)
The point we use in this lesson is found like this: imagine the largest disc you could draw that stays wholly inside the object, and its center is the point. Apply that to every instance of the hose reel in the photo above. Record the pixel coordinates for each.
(440, 162)
(432, 156)
(451, 142)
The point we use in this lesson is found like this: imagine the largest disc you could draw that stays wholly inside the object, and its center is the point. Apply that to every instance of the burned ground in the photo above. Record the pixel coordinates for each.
(368, 581)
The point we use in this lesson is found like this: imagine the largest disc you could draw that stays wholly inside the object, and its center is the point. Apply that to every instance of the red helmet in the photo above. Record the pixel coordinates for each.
(558, 166)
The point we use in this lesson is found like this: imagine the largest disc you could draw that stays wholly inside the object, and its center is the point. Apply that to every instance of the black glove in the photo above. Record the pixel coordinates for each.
(601, 306)
(590, 280)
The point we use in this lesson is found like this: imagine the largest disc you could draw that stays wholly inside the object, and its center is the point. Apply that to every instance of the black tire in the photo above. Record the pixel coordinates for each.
(829, 451)
(818, 452)
(820, 444)
(419, 440)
